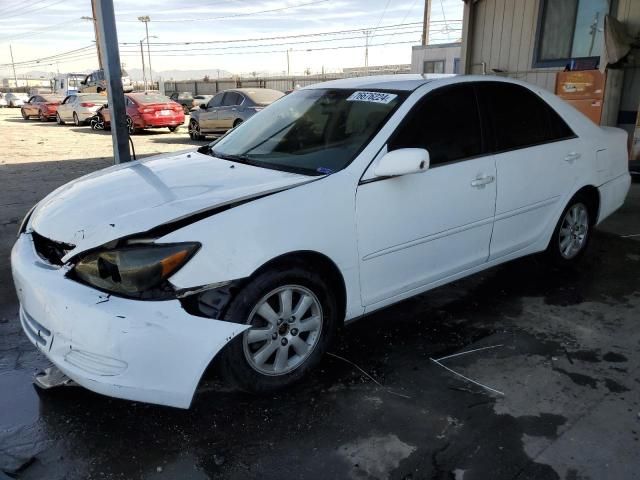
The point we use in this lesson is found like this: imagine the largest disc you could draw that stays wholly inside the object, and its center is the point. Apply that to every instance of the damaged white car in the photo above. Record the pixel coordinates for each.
(335, 201)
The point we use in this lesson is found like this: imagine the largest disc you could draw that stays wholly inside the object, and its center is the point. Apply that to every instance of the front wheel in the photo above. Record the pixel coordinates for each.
(131, 128)
(293, 317)
(59, 120)
(194, 130)
(24, 114)
(572, 233)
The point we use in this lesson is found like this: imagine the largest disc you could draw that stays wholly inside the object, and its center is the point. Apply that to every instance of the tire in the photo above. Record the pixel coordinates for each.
(76, 120)
(173, 129)
(572, 233)
(237, 122)
(42, 117)
(99, 89)
(194, 130)
(24, 114)
(59, 120)
(131, 128)
(277, 352)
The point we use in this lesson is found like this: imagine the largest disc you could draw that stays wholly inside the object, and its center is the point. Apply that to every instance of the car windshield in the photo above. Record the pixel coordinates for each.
(150, 98)
(264, 96)
(313, 132)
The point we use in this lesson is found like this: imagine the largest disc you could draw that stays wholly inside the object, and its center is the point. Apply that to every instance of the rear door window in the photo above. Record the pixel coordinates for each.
(446, 122)
(518, 118)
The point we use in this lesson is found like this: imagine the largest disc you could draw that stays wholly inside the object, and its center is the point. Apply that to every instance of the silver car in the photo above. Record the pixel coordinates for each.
(79, 108)
(16, 99)
(228, 109)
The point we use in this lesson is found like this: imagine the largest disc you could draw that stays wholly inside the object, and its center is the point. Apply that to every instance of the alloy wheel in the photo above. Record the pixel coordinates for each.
(573, 231)
(42, 117)
(286, 326)
(76, 120)
(194, 130)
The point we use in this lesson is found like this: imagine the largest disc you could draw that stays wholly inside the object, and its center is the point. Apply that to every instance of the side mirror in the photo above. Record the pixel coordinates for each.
(83, 82)
(402, 162)
(203, 106)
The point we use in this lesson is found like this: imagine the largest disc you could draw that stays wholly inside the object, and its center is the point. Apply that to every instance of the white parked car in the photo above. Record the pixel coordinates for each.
(3, 101)
(79, 108)
(16, 99)
(335, 201)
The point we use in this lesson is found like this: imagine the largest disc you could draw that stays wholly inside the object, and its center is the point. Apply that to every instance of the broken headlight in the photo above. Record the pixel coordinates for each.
(133, 270)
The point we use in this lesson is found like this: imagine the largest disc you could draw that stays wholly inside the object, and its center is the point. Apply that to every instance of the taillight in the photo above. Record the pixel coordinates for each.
(147, 110)
(87, 104)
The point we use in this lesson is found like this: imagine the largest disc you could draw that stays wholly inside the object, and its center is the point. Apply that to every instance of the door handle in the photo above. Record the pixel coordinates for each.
(480, 182)
(572, 157)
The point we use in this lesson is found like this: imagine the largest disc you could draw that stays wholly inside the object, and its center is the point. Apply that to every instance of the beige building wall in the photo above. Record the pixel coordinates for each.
(447, 52)
(499, 37)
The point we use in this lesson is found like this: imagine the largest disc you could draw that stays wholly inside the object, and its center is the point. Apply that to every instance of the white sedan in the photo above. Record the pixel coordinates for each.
(335, 201)
(79, 108)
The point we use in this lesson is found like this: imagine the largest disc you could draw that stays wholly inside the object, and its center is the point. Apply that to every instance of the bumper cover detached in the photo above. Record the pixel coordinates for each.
(148, 351)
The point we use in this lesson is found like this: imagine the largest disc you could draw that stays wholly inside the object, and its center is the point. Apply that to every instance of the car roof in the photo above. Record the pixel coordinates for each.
(403, 81)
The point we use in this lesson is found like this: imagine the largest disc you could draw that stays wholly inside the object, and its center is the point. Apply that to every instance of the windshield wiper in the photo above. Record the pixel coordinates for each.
(232, 158)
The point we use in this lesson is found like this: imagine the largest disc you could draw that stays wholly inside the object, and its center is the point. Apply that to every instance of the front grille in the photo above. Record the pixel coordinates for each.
(50, 250)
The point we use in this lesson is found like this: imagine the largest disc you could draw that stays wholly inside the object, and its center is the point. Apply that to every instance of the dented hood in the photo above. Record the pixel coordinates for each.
(137, 196)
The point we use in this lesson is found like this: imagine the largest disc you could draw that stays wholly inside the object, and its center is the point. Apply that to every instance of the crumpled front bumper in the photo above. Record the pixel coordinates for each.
(148, 351)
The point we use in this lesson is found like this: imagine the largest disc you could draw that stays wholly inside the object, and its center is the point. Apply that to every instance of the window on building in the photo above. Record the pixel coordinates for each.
(446, 122)
(570, 29)
(433, 66)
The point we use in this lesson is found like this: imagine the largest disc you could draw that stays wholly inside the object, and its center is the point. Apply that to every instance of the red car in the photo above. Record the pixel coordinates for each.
(43, 106)
(149, 110)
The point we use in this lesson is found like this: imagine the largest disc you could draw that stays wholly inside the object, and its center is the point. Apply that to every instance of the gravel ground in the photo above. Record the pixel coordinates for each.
(568, 363)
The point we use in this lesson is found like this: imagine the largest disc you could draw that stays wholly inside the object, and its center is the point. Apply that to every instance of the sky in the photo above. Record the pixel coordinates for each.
(36, 29)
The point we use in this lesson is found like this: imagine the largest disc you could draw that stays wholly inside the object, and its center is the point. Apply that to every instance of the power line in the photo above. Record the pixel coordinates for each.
(37, 31)
(246, 14)
(50, 57)
(131, 54)
(285, 37)
(321, 40)
(22, 11)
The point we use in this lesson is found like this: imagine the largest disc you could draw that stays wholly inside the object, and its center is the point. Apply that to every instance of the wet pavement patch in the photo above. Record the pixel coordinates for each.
(553, 327)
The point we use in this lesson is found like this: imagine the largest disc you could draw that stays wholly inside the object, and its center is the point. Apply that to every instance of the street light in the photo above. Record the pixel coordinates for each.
(144, 74)
(146, 19)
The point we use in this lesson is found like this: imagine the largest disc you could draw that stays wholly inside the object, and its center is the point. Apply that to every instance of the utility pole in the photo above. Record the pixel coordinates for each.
(288, 62)
(15, 78)
(144, 72)
(366, 50)
(145, 19)
(108, 41)
(426, 22)
(92, 19)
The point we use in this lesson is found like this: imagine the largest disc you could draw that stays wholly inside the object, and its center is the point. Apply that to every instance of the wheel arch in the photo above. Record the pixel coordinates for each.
(317, 262)
(592, 196)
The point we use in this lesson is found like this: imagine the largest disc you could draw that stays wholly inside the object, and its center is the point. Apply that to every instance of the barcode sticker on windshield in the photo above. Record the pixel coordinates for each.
(375, 97)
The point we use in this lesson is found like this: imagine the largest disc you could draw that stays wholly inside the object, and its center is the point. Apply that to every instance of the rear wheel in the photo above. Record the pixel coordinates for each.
(293, 317)
(59, 120)
(76, 120)
(572, 233)
(194, 130)
(237, 122)
(131, 128)
(42, 116)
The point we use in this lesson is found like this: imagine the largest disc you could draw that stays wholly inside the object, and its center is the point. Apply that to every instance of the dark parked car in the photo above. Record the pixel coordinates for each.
(185, 99)
(228, 109)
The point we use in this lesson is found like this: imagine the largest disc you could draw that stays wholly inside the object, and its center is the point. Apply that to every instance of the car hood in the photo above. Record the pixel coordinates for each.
(135, 197)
